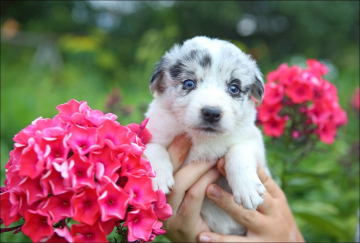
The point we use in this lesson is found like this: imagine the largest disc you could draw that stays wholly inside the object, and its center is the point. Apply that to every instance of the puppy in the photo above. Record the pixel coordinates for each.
(203, 89)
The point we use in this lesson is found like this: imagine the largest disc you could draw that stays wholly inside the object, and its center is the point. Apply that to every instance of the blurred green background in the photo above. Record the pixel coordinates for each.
(104, 52)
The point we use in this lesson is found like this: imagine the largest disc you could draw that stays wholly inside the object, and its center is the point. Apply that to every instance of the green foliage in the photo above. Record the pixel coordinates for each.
(322, 189)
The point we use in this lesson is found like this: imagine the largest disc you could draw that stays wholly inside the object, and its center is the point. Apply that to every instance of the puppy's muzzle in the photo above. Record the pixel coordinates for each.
(211, 114)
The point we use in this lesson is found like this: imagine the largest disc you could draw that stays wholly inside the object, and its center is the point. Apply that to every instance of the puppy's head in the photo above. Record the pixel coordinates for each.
(207, 84)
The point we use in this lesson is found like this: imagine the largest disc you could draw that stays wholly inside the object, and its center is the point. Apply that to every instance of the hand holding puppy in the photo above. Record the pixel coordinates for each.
(272, 221)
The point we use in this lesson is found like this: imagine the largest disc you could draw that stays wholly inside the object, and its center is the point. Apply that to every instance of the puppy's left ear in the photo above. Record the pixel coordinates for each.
(257, 89)
(156, 83)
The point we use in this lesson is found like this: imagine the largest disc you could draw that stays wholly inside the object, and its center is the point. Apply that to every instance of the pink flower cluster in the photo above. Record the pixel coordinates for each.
(302, 100)
(85, 166)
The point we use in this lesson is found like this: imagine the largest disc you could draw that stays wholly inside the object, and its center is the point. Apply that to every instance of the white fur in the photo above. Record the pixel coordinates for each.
(174, 112)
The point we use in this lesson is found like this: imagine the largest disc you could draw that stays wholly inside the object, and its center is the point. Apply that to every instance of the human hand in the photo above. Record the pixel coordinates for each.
(271, 222)
(187, 196)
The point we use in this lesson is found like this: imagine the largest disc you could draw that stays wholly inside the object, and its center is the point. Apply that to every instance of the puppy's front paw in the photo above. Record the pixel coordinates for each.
(164, 181)
(249, 195)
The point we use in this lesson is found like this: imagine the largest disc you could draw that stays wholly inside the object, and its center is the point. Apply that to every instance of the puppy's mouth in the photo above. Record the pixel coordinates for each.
(208, 129)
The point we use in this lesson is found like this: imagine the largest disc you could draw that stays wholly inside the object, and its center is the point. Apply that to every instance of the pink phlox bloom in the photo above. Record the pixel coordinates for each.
(24, 206)
(300, 91)
(134, 165)
(32, 161)
(61, 235)
(157, 228)
(33, 189)
(274, 75)
(87, 233)
(340, 117)
(9, 208)
(287, 76)
(107, 226)
(97, 117)
(140, 188)
(266, 111)
(327, 92)
(83, 140)
(81, 172)
(140, 224)
(106, 163)
(101, 183)
(146, 163)
(59, 150)
(38, 226)
(274, 93)
(141, 131)
(274, 126)
(319, 113)
(113, 202)
(162, 210)
(80, 120)
(86, 206)
(113, 134)
(70, 112)
(69, 108)
(326, 132)
(13, 179)
(59, 206)
(53, 180)
(14, 158)
(317, 67)
(21, 138)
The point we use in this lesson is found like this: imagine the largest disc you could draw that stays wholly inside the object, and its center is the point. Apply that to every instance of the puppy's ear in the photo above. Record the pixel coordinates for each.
(257, 89)
(156, 83)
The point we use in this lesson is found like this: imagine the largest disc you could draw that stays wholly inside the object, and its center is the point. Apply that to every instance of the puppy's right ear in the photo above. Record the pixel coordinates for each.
(156, 82)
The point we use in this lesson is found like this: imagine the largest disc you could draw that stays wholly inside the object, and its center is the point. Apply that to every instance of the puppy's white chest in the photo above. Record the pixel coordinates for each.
(207, 150)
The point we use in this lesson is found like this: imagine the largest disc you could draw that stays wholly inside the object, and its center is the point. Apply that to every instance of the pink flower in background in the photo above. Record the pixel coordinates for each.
(303, 99)
(317, 67)
(300, 91)
(274, 93)
(274, 75)
(82, 165)
(274, 126)
(266, 111)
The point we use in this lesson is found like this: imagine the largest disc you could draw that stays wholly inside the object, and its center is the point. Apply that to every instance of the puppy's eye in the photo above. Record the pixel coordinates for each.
(234, 89)
(189, 84)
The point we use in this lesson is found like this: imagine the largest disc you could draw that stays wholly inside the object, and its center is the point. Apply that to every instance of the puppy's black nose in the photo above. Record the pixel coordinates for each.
(211, 114)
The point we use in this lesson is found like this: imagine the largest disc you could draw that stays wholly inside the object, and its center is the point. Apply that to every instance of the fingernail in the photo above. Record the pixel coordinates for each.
(204, 238)
(215, 191)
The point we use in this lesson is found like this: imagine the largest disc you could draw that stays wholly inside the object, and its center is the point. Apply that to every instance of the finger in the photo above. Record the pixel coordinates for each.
(194, 197)
(266, 207)
(184, 179)
(251, 219)
(214, 237)
(221, 166)
(271, 187)
(178, 150)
